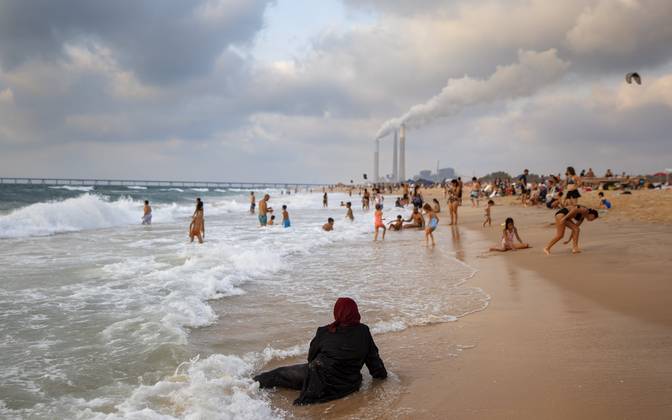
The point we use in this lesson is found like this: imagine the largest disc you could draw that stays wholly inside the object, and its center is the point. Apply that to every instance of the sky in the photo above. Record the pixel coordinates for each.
(297, 91)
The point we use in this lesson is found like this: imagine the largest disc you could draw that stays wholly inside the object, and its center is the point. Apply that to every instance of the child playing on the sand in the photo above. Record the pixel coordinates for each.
(378, 222)
(488, 220)
(508, 235)
(329, 226)
(348, 214)
(431, 225)
(285, 217)
(604, 203)
(397, 224)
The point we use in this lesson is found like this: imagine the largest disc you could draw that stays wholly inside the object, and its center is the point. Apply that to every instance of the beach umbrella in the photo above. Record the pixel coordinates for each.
(633, 76)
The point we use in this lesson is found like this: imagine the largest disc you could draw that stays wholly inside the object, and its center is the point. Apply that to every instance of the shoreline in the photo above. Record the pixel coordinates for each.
(565, 336)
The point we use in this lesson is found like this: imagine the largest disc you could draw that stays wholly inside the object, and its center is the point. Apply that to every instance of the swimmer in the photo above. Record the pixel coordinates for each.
(431, 225)
(285, 217)
(196, 228)
(378, 222)
(348, 214)
(253, 202)
(572, 219)
(147, 215)
(325, 200)
(488, 219)
(508, 235)
(271, 221)
(396, 224)
(329, 226)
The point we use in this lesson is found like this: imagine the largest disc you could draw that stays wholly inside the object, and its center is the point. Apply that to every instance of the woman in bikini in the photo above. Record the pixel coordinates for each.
(572, 219)
(453, 201)
(197, 224)
(572, 184)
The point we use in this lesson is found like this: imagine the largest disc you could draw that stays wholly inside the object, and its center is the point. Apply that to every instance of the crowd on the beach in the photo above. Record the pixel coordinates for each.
(339, 350)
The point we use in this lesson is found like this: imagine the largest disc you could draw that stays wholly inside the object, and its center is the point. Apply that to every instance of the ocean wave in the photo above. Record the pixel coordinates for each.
(88, 211)
(71, 188)
(136, 187)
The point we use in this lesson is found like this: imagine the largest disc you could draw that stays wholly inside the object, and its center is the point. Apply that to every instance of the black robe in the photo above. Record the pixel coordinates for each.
(334, 365)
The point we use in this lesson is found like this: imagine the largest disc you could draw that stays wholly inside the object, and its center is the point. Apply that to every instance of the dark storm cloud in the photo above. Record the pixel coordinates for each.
(161, 41)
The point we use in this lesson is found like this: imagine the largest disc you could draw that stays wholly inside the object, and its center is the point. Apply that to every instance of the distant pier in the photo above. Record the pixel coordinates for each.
(154, 183)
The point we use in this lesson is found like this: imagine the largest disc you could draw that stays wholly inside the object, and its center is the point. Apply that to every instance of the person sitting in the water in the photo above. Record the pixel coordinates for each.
(147, 216)
(329, 226)
(416, 220)
(335, 359)
(396, 224)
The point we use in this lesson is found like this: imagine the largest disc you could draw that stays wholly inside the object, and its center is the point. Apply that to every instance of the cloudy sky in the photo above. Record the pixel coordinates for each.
(289, 90)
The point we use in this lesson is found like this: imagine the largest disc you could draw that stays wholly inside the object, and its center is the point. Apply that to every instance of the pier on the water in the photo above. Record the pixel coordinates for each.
(154, 183)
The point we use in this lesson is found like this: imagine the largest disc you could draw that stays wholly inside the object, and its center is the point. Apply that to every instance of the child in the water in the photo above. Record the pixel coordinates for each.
(348, 213)
(488, 219)
(329, 226)
(272, 221)
(285, 217)
(378, 222)
(508, 235)
(397, 224)
(432, 224)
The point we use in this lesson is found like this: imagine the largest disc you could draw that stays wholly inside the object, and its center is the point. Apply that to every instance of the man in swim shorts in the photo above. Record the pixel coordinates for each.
(253, 202)
(263, 210)
(147, 216)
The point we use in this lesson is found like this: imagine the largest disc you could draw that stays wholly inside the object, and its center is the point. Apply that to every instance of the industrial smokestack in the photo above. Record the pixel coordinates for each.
(376, 155)
(402, 152)
(395, 162)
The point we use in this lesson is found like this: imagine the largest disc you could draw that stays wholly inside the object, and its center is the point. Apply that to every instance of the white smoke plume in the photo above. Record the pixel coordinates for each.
(533, 71)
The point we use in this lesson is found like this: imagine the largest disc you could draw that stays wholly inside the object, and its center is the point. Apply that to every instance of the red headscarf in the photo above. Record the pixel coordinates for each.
(345, 314)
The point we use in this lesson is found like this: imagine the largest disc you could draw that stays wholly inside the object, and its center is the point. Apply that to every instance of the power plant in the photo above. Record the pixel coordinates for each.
(398, 157)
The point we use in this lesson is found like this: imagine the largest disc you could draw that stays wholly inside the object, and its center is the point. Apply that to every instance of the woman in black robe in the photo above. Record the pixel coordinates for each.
(335, 359)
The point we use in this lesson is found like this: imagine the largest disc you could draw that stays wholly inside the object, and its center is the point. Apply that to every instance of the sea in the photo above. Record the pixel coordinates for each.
(104, 318)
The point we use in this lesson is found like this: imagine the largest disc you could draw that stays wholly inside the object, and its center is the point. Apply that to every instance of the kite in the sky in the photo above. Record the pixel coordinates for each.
(633, 76)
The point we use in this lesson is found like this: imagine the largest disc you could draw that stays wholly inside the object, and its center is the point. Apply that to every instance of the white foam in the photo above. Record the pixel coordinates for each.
(200, 189)
(173, 189)
(136, 187)
(71, 188)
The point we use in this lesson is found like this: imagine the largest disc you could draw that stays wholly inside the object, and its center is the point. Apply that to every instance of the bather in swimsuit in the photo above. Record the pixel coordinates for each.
(263, 220)
(433, 223)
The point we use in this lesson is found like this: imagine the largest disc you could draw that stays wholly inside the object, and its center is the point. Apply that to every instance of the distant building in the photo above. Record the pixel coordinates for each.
(443, 174)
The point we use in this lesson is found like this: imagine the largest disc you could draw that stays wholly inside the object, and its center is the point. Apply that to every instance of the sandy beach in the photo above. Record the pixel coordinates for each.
(585, 336)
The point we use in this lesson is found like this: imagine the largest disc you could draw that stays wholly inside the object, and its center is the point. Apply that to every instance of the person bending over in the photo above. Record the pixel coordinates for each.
(335, 359)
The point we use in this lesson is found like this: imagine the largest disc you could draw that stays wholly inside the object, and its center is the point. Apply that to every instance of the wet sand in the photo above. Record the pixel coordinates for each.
(566, 336)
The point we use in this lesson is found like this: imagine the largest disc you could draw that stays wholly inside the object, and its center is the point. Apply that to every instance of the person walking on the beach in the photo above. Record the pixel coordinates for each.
(488, 218)
(572, 183)
(378, 222)
(147, 214)
(197, 226)
(508, 235)
(524, 192)
(475, 191)
(263, 210)
(432, 224)
(348, 213)
(285, 217)
(453, 201)
(253, 202)
(572, 219)
(325, 200)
